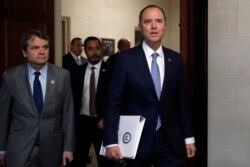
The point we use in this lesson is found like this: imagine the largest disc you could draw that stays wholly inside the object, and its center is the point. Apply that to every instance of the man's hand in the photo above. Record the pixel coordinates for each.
(114, 153)
(190, 148)
(67, 157)
(2, 159)
(100, 124)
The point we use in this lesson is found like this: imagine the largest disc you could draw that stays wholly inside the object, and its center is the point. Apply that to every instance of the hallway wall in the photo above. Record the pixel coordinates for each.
(115, 19)
(228, 83)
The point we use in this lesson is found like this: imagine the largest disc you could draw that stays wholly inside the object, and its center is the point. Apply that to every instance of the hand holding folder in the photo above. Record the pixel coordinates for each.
(129, 134)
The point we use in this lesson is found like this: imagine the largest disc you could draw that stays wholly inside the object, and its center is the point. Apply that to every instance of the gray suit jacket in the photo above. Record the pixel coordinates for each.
(20, 121)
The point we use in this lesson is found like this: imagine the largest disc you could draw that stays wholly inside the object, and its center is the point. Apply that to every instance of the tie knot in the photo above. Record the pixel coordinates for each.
(93, 68)
(155, 55)
(37, 74)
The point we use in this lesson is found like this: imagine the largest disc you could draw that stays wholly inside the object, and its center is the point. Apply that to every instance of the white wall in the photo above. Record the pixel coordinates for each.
(115, 19)
(228, 83)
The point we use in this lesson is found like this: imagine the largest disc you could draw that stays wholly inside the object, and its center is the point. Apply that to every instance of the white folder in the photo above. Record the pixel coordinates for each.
(129, 134)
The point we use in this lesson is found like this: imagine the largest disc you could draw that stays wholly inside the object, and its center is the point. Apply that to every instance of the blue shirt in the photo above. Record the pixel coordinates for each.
(42, 77)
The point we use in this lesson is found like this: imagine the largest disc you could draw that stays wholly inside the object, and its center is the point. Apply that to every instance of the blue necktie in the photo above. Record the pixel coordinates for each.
(37, 93)
(157, 81)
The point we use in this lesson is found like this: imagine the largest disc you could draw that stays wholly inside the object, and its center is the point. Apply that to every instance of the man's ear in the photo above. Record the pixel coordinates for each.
(139, 27)
(24, 54)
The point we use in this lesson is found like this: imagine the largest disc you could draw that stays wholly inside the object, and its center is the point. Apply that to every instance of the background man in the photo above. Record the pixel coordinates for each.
(73, 57)
(73, 62)
(94, 86)
(122, 45)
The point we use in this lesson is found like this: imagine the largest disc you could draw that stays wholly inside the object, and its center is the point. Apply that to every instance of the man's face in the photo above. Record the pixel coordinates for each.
(37, 53)
(93, 51)
(126, 45)
(76, 48)
(152, 25)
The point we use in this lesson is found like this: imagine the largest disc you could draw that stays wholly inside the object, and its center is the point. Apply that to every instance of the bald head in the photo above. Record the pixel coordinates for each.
(123, 44)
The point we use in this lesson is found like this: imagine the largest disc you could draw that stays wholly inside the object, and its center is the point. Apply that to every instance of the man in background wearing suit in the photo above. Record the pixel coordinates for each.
(122, 45)
(148, 80)
(73, 62)
(95, 83)
(73, 57)
(36, 109)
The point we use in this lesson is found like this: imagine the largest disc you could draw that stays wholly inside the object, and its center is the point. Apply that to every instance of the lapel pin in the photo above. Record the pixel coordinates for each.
(103, 70)
(52, 82)
(169, 60)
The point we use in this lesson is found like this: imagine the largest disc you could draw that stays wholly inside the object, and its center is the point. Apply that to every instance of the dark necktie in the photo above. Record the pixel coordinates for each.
(155, 73)
(37, 93)
(92, 93)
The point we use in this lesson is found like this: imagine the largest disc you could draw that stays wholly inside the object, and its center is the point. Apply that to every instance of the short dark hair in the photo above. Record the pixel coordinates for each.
(29, 34)
(90, 38)
(151, 6)
(75, 39)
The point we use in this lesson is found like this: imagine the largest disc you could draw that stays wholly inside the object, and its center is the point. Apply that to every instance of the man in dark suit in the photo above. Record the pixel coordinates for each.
(90, 116)
(148, 80)
(73, 61)
(36, 116)
(122, 45)
(73, 57)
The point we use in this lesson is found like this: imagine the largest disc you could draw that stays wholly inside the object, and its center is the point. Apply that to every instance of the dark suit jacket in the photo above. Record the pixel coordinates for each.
(102, 88)
(20, 121)
(76, 76)
(112, 58)
(132, 92)
(69, 62)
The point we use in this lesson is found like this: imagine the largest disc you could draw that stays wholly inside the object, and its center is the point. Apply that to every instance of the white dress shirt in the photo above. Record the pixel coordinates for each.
(85, 95)
(160, 61)
(42, 78)
(77, 58)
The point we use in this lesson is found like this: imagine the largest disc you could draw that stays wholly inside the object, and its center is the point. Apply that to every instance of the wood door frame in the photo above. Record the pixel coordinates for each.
(193, 48)
(17, 17)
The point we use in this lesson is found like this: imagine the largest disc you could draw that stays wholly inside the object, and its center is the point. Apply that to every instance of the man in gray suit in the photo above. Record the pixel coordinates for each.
(29, 137)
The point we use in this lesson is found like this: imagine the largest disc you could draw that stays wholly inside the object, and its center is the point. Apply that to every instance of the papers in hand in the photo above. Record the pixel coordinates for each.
(129, 134)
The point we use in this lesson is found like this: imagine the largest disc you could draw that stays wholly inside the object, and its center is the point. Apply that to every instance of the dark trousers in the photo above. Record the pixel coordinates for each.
(161, 155)
(88, 133)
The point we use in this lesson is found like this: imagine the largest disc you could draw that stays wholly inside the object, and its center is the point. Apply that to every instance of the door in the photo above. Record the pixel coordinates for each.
(18, 16)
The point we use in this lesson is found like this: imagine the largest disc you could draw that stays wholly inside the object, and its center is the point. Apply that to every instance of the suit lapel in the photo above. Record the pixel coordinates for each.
(142, 64)
(101, 73)
(26, 87)
(167, 61)
(72, 59)
(24, 82)
(50, 86)
(84, 72)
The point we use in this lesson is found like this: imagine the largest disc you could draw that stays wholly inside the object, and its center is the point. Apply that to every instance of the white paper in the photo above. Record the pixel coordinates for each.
(129, 134)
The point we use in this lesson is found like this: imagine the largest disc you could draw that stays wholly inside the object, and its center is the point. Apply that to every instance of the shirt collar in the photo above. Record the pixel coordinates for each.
(97, 66)
(74, 55)
(148, 51)
(43, 70)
